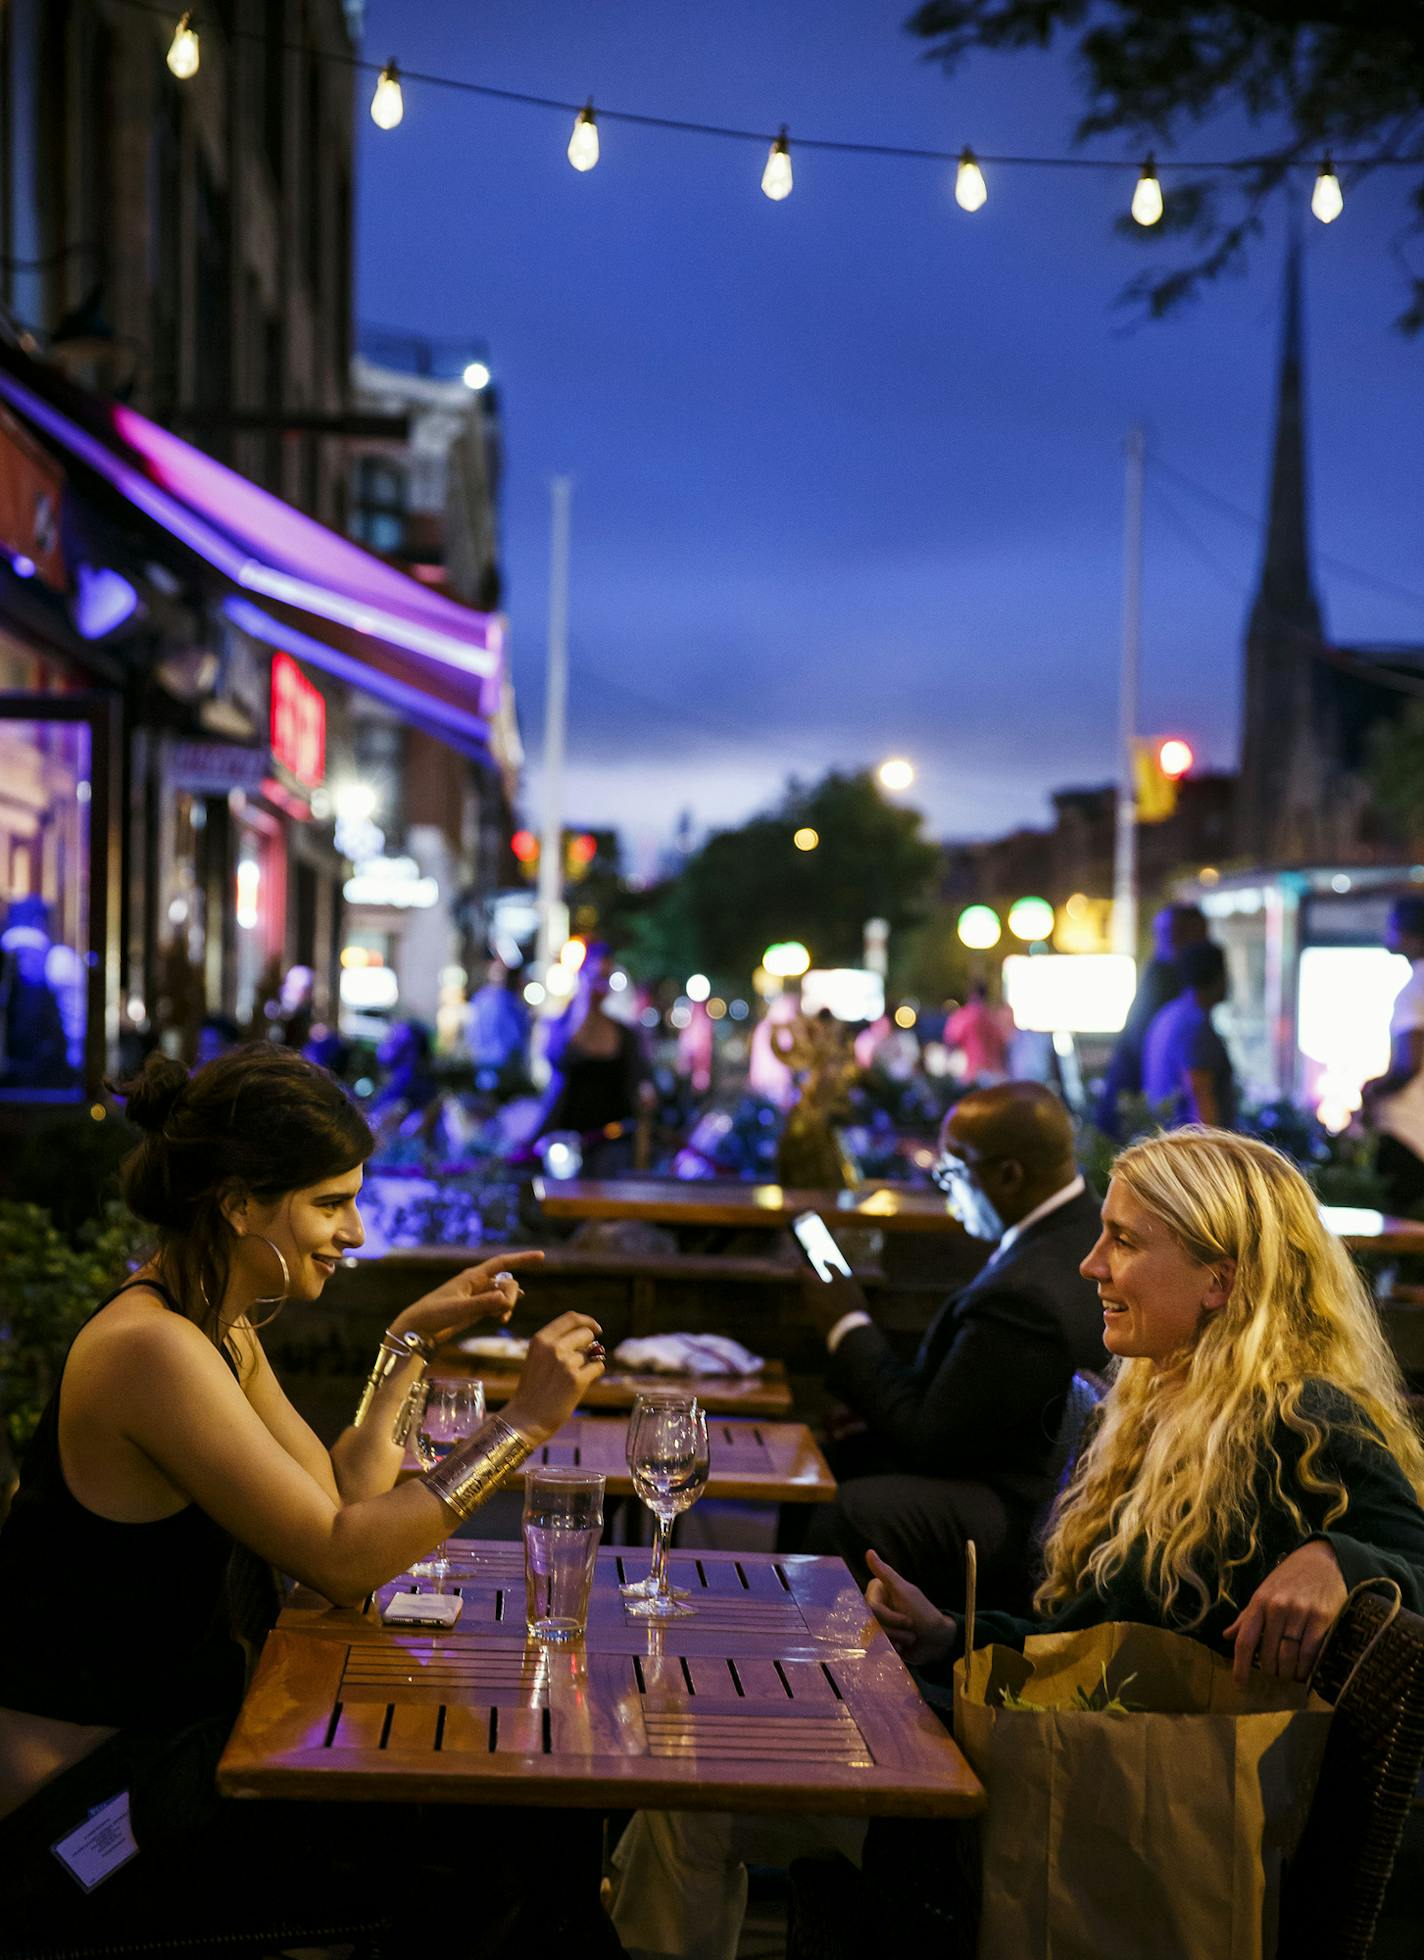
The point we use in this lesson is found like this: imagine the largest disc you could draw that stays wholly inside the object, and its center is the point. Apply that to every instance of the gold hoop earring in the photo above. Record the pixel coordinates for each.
(274, 1300)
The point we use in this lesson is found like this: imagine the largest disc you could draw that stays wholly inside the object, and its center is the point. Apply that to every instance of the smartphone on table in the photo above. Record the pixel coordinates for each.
(825, 1257)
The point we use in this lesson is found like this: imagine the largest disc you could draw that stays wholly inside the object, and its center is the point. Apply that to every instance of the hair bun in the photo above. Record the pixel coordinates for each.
(150, 1096)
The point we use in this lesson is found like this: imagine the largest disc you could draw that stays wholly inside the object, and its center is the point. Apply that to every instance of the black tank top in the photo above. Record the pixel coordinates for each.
(120, 1624)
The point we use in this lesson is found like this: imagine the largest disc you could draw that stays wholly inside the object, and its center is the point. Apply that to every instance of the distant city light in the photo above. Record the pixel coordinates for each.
(1031, 918)
(786, 960)
(559, 981)
(534, 994)
(476, 377)
(573, 953)
(806, 839)
(716, 1008)
(738, 1009)
(617, 981)
(698, 987)
(681, 1015)
(354, 803)
(896, 773)
(905, 1017)
(1339, 883)
(1174, 757)
(249, 881)
(979, 928)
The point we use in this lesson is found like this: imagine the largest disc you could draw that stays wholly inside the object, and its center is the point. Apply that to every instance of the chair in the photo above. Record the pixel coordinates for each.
(1336, 1882)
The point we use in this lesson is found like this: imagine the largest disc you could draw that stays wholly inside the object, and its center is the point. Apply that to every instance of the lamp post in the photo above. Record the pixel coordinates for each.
(1124, 910)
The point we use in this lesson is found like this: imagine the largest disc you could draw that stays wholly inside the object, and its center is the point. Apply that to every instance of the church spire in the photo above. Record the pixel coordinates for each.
(1285, 596)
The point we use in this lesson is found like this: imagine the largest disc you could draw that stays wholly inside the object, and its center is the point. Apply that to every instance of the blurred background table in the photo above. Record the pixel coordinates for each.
(723, 1202)
(779, 1694)
(759, 1462)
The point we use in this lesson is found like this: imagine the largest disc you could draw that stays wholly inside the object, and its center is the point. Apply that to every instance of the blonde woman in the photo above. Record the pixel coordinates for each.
(1252, 1461)
(1254, 1458)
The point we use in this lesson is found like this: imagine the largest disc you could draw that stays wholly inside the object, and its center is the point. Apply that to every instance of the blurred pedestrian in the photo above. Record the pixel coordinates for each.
(600, 1075)
(34, 1049)
(981, 1031)
(1394, 1101)
(1174, 929)
(497, 1031)
(1186, 1070)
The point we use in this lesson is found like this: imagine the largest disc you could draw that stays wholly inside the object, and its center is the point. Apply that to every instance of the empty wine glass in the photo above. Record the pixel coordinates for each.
(668, 1459)
(449, 1414)
(644, 1588)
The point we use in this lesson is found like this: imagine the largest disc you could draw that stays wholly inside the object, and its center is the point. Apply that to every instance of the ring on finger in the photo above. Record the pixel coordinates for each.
(595, 1351)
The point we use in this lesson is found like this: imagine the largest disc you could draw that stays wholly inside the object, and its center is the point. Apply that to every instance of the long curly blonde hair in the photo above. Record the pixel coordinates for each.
(1173, 1467)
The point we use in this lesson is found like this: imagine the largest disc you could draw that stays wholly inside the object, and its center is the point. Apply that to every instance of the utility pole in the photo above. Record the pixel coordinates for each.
(1124, 910)
(553, 918)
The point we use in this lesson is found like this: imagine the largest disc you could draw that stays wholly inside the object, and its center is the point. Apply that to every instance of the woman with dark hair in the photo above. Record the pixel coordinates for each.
(168, 1441)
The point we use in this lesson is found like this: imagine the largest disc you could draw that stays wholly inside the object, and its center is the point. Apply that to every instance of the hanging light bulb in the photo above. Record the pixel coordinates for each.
(1147, 198)
(970, 190)
(183, 49)
(776, 178)
(387, 104)
(583, 144)
(1326, 200)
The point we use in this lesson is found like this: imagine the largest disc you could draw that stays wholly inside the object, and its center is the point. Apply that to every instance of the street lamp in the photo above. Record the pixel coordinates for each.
(979, 928)
(1175, 758)
(895, 773)
(806, 839)
(1031, 919)
(788, 959)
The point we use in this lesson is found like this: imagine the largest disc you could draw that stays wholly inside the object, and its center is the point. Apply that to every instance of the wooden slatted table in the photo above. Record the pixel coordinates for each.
(779, 1694)
(726, 1202)
(764, 1394)
(763, 1462)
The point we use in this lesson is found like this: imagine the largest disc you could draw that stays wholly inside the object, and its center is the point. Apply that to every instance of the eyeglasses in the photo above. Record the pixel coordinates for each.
(947, 1171)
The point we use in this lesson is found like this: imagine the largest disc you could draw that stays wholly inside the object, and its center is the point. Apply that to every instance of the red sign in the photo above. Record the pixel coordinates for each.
(298, 723)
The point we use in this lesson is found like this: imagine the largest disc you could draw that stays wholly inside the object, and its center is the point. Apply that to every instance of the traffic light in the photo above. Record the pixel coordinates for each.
(525, 846)
(1158, 765)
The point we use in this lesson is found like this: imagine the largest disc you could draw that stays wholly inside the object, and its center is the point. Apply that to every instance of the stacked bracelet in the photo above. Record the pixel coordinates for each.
(468, 1476)
(395, 1351)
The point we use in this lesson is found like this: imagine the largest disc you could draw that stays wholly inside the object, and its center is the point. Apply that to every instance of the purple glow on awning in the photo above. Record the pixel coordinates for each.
(466, 731)
(243, 532)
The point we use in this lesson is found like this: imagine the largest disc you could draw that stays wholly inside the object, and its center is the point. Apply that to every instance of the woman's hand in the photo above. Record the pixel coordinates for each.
(563, 1363)
(478, 1293)
(918, 1632)
(1289, 1615)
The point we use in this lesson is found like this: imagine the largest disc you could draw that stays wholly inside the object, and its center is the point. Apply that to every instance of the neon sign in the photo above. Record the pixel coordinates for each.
(298, 723)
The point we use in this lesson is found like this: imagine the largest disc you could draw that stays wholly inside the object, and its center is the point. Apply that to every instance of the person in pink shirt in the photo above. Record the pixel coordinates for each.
(981, 1031)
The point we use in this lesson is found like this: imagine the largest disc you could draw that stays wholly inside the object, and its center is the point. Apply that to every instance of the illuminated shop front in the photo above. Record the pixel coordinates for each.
(190, 643)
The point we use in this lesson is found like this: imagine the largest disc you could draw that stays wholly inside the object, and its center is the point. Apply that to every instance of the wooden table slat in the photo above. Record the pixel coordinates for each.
(713, 1711)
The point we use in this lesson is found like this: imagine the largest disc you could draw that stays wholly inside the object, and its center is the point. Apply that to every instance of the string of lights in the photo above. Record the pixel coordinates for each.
(971, 187)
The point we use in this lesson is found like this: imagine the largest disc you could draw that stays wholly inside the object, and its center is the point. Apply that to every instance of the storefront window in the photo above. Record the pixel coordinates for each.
(45, 798)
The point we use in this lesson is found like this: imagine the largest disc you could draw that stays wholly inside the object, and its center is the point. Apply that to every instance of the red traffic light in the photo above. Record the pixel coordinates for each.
(1175, 758)
(525, 846)
(583, 849)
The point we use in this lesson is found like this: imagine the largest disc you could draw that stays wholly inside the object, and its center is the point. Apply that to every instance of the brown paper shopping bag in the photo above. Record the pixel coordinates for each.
(1113, 1836)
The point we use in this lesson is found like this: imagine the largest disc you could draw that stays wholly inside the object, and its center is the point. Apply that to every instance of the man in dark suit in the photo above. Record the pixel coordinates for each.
(960, 1445)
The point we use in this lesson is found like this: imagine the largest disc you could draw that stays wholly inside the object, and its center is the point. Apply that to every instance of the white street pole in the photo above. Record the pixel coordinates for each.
(553, 928)
(1124, 910)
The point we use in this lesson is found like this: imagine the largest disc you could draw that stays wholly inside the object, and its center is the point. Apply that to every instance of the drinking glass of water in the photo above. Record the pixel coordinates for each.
(668, 1459)
(563, 1522)
(449, 1415)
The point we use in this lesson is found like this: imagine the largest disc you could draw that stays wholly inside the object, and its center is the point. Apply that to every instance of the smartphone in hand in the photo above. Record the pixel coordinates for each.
(825, 1257)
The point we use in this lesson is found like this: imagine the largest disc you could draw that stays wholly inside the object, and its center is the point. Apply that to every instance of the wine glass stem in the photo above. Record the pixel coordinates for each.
(661, 1542)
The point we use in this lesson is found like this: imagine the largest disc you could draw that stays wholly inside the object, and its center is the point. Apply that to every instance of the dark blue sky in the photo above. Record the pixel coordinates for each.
(848, 469)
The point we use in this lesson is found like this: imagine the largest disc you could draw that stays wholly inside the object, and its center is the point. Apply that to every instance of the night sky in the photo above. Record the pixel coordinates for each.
(848, 469)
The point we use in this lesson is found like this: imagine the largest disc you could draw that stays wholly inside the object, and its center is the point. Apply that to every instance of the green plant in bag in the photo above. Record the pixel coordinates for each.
(1097, 1700)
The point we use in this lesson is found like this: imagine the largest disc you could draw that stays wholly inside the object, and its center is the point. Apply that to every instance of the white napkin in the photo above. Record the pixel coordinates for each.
(496, 1347)
(687, 1354)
